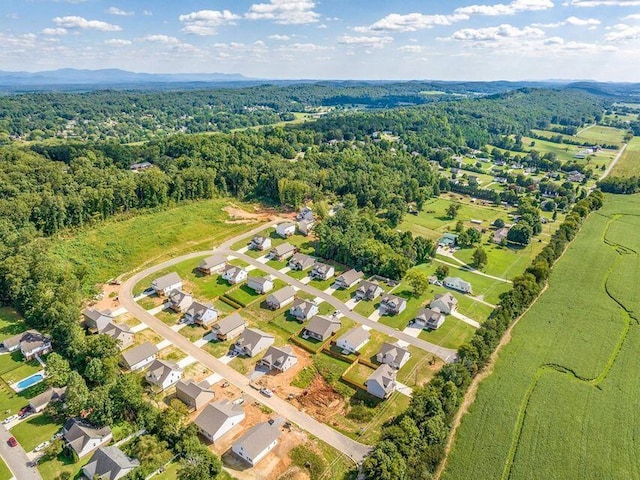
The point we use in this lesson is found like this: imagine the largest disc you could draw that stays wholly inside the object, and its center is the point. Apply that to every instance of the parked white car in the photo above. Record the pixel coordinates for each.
(42, 446)
(9, 419)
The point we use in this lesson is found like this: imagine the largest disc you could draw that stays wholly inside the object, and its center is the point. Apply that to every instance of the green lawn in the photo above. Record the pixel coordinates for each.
(11, 323)
(11, 402)
(125, 243)
(372, 347)
(451, 334)
(23, 371)
(5, 473)
(418, 370)
(62, 464)
(193, 332)
(170, 472)
(600, 134)
(629, 163)
(244, 295)
(35, 430)
(552, 407)
(359, 373)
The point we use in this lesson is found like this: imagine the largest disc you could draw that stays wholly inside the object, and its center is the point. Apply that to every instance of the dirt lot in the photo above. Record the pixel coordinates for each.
(280, 383)
(321, 401)
(242, 216)
(108, 301)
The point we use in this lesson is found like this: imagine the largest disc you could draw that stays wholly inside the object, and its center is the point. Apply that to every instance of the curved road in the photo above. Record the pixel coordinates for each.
(16, 458)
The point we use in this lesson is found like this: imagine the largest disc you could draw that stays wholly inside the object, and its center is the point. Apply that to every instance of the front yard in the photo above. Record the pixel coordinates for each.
(35, 430)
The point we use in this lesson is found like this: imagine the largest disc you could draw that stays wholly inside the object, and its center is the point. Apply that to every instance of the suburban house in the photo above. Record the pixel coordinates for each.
(282, 252)
(163, 374)
(448, 240)
(382, 382)
(120, 333)
(234, 275)
(285, 230)
(258, 441)
(500, 235)
(321, 328)
(322, 271)
(218, 418)
(201, 314)
(392, 304)
(575, 176)
(348, 279)
(179, 301)
(109, 463)
(260, 284)
(260, 242)
(301, 262)
(30, 343)
(393, 355)
(213, 264)
(281, 298)
(458, 284)
(305, 213)
(429, 318)
(353, 340)
(42, 401)
(139, 357)
(303, 309)
(194, 395)
(279, 358)
(95, 321)
(167, 283)
(83, 438)
(229, 327)
(253, 341)
(368, 290)
(445, 302)
(306, 226)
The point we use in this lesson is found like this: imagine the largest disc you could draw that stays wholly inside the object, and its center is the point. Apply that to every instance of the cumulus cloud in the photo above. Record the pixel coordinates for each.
(119, 12)
(410, 48)
(603, 3)
(410, 22)
(166, 39)
(575, 21)
(74, 22)
(633, 16)
(622, 33)
(117, 42)
(54, 31)
(493, 34)
(365, 41)
(286, 12)
(280, 38)
(512, 8)
(206, 22)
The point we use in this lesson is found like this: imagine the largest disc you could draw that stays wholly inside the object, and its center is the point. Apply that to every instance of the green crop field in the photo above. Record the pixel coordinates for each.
(600, 134)
(562, 400)
(629, 163)
(125, 243)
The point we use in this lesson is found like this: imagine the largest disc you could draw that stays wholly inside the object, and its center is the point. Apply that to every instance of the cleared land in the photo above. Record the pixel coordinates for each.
(629, 163)
(562, 401)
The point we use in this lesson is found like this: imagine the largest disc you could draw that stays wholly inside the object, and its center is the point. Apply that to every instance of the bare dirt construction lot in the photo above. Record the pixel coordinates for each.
(109, 298)
(320, 400)
(280, 383)
(242, 216)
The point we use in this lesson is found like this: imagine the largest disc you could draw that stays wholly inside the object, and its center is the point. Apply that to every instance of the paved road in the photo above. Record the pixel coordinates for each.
(16, 458)
(342, 443)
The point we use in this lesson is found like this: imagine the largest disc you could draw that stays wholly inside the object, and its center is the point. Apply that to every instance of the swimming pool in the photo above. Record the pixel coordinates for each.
(32, 380)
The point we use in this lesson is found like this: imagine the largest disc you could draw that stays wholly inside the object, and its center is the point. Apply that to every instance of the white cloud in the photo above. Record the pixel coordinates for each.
(410, 48)
(119, 12)
(280, 38)
(633, 16)
(411, 22)
(206, 22)
(286, 12)
(54, 31)
(83, 23)
(166, 39)
(512, 8)
(304, 47)
(365, 41)
(559, 45)
(582, 22)
(603, 3)
(623, 32)
(496, 33)
(117, 42)
(147, 13)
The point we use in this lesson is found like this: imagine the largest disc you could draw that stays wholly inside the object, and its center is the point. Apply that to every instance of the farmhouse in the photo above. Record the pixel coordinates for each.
(285, 230)
(456, 283)
(353, 340)
(109, 463)
(301, 262)
(445, 302)
(257, 442)
(201, 314)
(429, 318)
(30, 343)
(229, 327)
(321, 328)
(368, 290)
(322, 271)
(500, 235)
(167, 283)
(281, 298)
(179, 301)
(84, 438)
(260, 243)
(260, 284)
(95, 321)
(253, 341)
(234, 275)
(163, 374)
(213, 264)
(42, 401)
(139, 357)
(303, 309)
(382, 382)
(348, 279)
(282, 252)
(121, 333)
(393, 355)
(194, 395)
(392, 304)
(218, 418)
(279, 358)
(448, 240)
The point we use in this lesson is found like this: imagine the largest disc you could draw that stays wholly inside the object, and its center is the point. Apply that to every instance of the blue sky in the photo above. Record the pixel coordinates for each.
(332, 39)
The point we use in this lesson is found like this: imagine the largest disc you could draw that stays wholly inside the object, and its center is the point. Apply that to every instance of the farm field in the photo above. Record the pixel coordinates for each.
(562, 400)
(629, 163)
(122, 244)
(600, 134)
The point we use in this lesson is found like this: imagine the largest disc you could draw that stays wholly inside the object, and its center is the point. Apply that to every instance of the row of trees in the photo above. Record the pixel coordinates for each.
(412, 445)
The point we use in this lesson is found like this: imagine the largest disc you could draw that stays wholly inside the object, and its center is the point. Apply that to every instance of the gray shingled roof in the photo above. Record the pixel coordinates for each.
(283, 248)
(305, 261)
(229, 323)
(355, 336)
(197, 309)
(212, 261)
(320, 325)
(258, 438)
(78, 433)
(108, 462)
(215, 414)
(385, 376)
(394, 351)
(160, 370)
(350, 276)
(166, 281)
(192, 389)
(281, 295)
(250, 338)
(50, 395)
(139, 353)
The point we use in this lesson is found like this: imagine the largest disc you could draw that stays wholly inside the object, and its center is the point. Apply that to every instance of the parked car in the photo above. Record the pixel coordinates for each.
(9, 419)
(42, 446)
(266, 392)
(12, 442)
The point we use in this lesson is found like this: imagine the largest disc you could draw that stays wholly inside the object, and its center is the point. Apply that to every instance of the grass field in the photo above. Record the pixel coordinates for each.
(35, 430)
(600, 134)
(562, 400)
(125, 243)
(61, 465)
(11, 323)
(5, 473)
(629, 163)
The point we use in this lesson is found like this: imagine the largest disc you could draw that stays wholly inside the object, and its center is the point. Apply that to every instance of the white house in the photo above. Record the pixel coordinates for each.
(229, 327)
(260, 284)
(282, 252)
(260, 242)
(281, 298)
(445, 302)
(258, 441)
(429, 318)
(139, 357)
(353, 340)
(234, 275)
(303, 309)
(218, 418)
(179, 301)
(84, 438)
(301, 261)
(392, 304)
(253, 341)
(458, 284)
(306, 226)
(368, 290)
(348, 279)
(95, 320)
(286, 229)
(165, 284)
(322, 271)
(213, 264)
(201, 314)
(393, 355)
(321, 328)
(279, 358)
(163, 374)
(382, 382)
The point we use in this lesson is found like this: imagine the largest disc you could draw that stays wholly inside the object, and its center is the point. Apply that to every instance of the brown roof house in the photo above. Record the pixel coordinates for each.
(194, 395)
(229, 327)
(219, 418)
(83, 438)
(30, 343)
(109, 463)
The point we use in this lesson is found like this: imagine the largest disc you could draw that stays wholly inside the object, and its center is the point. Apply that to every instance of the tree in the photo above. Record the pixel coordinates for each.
(384, 463)
(442, 271)
(520, 233)
(452, 210)
(459, 226)
(57, 370)
(419, 282)
(54, 449)
(498, 223)
(425, 249)
(479, 258)
(198, 461)
(77, 394)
